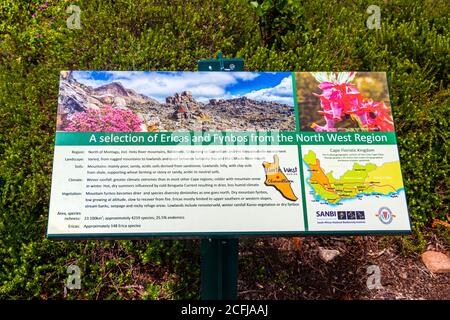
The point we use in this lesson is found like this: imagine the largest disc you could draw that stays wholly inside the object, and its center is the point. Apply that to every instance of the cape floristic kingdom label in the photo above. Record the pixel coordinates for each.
(142, 154)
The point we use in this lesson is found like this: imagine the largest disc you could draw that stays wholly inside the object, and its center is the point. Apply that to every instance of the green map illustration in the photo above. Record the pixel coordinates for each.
(368, 179)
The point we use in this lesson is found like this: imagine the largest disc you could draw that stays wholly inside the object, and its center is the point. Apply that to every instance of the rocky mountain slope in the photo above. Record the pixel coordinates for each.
(180, 112)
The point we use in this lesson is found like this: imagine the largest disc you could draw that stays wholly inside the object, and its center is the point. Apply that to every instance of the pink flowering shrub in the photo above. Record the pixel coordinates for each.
(341, 99)
(106, 119)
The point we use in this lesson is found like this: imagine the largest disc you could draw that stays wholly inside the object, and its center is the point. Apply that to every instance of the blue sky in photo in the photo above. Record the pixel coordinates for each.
(261, 86)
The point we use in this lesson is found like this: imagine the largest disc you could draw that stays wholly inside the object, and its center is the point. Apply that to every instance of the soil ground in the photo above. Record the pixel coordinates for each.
(290, 268)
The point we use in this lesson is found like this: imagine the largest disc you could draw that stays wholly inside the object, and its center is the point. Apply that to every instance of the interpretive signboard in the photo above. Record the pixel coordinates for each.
(141, 154)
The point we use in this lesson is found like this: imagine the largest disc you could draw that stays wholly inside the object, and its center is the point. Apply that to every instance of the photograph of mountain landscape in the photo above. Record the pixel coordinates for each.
(141, 101)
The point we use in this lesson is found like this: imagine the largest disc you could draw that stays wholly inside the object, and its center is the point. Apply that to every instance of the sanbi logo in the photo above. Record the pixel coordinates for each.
(385, 215)
(326, 213)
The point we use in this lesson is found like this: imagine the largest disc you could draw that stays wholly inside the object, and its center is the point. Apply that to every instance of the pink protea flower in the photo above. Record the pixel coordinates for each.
(325, 128)
(106, 119)
(379, 118)
(340, 98)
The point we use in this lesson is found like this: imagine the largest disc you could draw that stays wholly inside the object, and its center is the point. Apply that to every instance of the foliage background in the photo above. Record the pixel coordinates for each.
(412, 46)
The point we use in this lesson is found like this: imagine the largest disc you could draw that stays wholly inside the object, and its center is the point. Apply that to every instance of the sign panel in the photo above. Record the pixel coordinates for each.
(141, 154)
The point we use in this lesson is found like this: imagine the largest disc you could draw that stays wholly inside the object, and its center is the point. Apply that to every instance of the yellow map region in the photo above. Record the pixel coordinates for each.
(276, 178)
(368, 179)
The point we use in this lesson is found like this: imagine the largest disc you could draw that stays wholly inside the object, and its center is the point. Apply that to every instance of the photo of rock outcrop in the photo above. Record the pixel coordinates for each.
(175, 101)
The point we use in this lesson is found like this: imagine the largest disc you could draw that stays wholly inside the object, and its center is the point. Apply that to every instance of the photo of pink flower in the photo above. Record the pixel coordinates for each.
(343, 101)
(106, 119)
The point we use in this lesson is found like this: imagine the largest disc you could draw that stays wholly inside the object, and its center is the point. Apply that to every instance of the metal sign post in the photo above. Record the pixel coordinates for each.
(219, 268)
(221, 64)
(219, 256)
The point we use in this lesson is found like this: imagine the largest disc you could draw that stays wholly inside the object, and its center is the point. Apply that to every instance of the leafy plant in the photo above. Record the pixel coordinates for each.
(277, 18)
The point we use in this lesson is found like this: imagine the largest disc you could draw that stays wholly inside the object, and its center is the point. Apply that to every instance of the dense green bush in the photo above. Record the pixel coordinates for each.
(412, 46)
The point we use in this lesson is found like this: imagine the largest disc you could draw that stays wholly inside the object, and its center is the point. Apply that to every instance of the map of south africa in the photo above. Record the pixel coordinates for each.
(276, 178)
(368, 179)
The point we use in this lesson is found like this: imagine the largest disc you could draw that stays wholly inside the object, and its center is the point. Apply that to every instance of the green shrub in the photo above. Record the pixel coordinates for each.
(412, 46)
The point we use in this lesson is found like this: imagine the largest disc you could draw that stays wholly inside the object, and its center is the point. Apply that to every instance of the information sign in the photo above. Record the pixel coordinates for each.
(162, 154)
